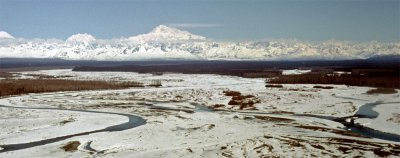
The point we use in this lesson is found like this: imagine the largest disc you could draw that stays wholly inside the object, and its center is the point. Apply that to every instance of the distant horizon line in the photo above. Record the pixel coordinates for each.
(207, 39)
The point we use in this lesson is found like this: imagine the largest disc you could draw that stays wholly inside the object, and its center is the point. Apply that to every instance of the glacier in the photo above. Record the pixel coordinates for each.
(165, 42)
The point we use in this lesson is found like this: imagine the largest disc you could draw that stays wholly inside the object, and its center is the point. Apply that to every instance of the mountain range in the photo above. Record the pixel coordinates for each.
(165, 42)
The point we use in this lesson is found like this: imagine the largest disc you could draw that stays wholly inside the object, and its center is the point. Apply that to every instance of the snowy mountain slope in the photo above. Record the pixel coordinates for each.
(84, 39)
(5, 35)
(165, 33)
(164, 42)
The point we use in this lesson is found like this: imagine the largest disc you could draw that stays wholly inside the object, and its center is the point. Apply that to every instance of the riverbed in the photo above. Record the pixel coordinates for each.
(181, 118)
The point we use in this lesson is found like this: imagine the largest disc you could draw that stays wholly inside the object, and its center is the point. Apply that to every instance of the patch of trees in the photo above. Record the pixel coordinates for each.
(351, 80)
(25, 86)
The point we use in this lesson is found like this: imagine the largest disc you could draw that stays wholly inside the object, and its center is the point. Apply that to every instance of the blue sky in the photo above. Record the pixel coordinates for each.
(315, 20)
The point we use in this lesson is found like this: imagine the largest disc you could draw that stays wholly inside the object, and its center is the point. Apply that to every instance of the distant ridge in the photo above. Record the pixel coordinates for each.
(386, 58)
(164, 42)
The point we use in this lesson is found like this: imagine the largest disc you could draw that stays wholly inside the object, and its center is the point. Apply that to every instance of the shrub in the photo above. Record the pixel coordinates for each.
(242, 97)
(218, 106)
(71, 146)
(249, 96)
(273, 86)
(323, 87)
(382, 91)
(246, 104)
(234, 102)
(232, 93)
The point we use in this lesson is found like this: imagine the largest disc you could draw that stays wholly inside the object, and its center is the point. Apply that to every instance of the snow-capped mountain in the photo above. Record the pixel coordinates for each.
(164, 42)
(165, 33)
(84, 39)
(5, 35)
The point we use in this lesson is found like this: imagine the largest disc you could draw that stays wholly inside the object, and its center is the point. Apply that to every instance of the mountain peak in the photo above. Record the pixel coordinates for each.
(5, 35)
(81, 38)
(164, 29)
(166, 33)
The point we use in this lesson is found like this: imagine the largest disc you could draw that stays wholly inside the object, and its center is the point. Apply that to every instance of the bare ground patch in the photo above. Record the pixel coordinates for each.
(71, 146)
(395, 118)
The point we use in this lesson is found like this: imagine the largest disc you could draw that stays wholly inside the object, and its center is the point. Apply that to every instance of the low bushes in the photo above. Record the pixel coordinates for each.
(231, 93)
(217, 106)
(71, 146)
(243, 101)
(273, 86)
(382, 91)
(234, 102)
(323, 87)
(241, 97)
(351, 80)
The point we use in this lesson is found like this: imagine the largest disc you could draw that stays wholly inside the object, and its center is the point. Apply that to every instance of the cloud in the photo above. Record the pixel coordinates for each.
(193, 25)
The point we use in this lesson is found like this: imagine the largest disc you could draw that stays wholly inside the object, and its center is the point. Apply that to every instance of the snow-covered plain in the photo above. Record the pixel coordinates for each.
(179, 124)
(295, 72)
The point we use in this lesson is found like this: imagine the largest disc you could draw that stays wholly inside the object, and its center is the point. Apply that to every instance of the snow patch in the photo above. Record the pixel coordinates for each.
(171, 43)
(84, 38)
(163, 32)
(5, 35)
(295, 72)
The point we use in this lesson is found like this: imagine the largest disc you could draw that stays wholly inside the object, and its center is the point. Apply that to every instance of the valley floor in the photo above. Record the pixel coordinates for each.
(189, 116)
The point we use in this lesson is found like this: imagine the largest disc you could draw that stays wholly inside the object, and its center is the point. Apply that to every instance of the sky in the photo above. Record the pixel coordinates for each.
(313, 20)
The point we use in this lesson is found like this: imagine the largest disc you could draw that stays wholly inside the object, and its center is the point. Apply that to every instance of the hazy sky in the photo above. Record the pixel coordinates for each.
(353, 20)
